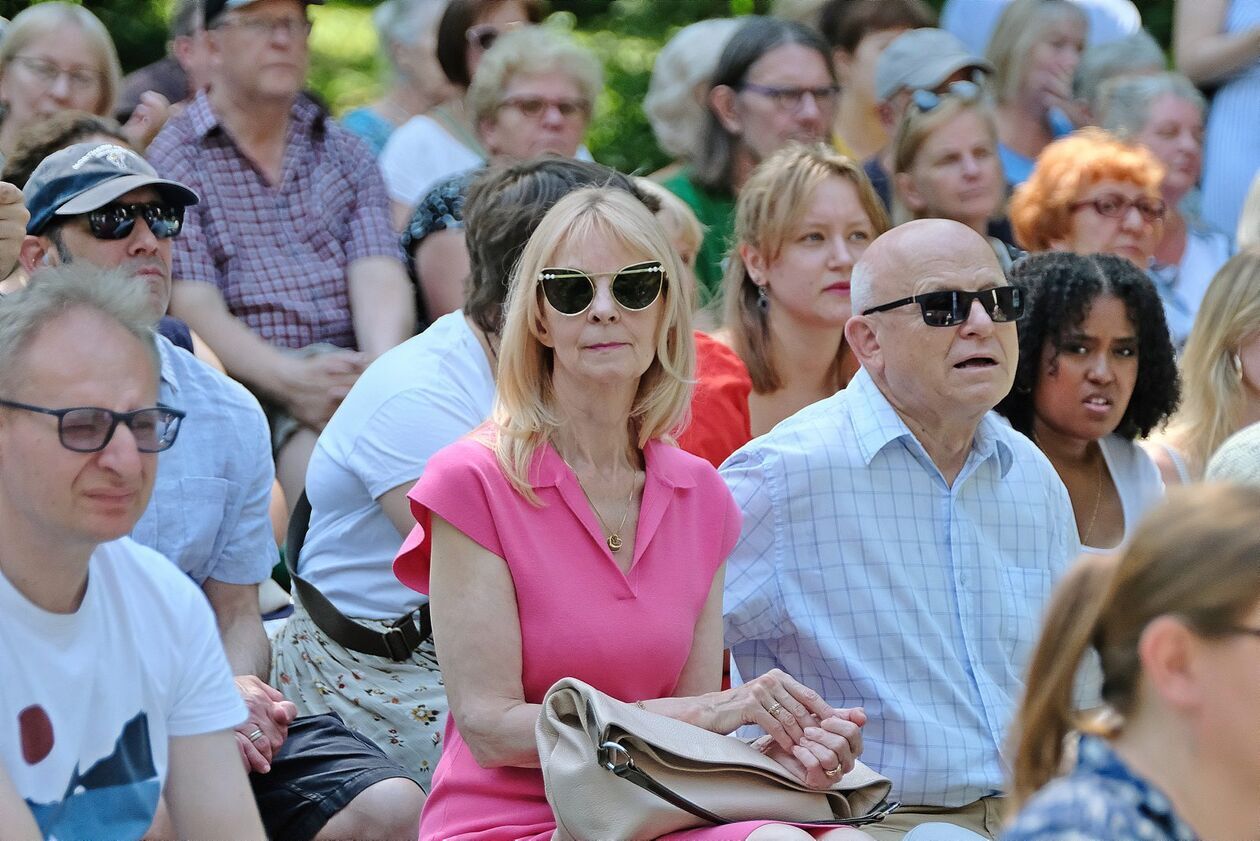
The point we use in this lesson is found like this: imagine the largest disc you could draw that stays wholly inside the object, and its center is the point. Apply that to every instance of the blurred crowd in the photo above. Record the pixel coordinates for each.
(909, 416)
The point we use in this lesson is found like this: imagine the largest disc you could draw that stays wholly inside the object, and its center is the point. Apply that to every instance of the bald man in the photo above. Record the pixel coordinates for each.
(899, 541)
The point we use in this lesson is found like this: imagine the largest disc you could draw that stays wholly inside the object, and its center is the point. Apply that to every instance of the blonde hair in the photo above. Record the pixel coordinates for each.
(1194, 557)
(1041, 207)
(526, 414)
(1019, 28)
(1212, 408)
(51, 19)
(526, 51)
(770, 204)
(677, 219)
(914, 130)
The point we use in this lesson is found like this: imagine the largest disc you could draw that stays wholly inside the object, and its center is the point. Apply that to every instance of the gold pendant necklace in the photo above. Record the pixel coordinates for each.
(613, 540)
(1097, 500)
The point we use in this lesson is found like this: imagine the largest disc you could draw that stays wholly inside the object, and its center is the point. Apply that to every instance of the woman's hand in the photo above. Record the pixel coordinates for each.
(147, 120)
(828, 752)
(776, 702)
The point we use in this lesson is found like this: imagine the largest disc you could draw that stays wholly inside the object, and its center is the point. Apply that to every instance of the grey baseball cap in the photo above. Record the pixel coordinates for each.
(214, 8)
(86, 176)
(922, 58)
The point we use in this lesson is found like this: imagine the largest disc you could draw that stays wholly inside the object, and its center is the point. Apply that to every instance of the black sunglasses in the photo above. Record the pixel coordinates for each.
(116, 221)
(89, 429)
(571, 291)
(948, 307)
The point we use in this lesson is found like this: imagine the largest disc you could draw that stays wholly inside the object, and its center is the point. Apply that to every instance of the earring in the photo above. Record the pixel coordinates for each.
(763, 301)
(1236, 358)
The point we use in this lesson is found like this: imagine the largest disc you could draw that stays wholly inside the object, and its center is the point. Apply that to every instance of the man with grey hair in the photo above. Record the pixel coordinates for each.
(115, 682)
(899, 540)
(103, 205)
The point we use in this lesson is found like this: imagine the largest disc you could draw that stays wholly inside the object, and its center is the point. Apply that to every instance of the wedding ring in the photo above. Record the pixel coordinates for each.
(256, 735)
(774, 709)
(833, 773)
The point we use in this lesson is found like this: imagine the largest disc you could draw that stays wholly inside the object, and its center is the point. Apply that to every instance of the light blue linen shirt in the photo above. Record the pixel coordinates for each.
(863, 574)
(208, 512)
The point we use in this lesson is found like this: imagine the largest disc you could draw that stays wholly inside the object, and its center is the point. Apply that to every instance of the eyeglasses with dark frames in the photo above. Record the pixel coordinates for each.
(89, 429)
(950, 307)
(571, 291)
(116, 221)
(793, 99)
(1115, 206)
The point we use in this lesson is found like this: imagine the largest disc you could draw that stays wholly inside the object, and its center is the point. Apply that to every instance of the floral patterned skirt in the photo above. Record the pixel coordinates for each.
(400, 706)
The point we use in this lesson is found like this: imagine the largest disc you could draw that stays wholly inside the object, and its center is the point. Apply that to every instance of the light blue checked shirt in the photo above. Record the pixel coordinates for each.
(863, 574)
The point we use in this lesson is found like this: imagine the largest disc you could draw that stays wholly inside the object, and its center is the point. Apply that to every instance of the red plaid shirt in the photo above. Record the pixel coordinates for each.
(278, 254)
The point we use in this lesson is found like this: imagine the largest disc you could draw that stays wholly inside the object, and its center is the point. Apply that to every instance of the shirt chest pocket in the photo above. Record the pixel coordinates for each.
(190, 522)
(1024, 593)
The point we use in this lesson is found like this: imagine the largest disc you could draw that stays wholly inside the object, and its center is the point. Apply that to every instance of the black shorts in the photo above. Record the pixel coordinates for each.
(319, 769)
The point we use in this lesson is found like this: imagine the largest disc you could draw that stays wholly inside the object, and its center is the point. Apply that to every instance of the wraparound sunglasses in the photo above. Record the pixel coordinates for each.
(948, 307)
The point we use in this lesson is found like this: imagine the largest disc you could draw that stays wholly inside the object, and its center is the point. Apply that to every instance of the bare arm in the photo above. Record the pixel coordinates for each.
(240, 627)
(397, 507)
(382, 304)
(441, 264)
(206, 790)
(17, 820)
(1202, 49)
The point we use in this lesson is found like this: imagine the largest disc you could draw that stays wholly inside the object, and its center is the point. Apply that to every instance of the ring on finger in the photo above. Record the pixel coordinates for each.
(774, 709)
(834, 772)
(255, 735)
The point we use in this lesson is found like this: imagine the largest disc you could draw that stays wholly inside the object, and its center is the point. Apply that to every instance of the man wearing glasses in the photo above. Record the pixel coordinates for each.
(289, 268)
(116, 687)
(103, 205)
(899, 540)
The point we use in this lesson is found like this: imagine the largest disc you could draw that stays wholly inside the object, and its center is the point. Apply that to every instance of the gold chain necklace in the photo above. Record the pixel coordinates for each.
(613, 540)
(1097, 500)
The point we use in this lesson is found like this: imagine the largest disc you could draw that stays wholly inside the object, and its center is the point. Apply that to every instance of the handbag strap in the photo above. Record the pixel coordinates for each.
(625, 768)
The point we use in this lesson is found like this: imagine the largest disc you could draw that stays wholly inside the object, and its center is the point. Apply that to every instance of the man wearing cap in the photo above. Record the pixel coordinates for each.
(921, 59)
(288, 268)
(103, 204)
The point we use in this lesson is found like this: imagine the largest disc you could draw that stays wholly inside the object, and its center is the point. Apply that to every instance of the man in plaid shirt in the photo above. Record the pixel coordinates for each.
(288, 268)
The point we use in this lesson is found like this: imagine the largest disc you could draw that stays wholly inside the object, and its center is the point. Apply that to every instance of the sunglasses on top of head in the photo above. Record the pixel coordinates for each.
(950, 307)
(483, 35)
(571, 291)
(925, 100)
(116, 221)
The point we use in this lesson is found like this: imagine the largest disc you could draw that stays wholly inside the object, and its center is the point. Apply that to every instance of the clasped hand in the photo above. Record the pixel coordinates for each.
(816, 742)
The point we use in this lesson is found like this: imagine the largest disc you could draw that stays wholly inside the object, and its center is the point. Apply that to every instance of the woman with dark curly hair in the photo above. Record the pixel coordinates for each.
(1096, 370)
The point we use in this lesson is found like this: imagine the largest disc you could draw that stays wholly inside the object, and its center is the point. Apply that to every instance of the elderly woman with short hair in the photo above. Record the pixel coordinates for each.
(532, 96)
(570, 537)
(1165, 113)
(1092, 193)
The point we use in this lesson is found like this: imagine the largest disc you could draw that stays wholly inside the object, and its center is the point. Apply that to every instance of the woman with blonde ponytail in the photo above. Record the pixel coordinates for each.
(1174, 752)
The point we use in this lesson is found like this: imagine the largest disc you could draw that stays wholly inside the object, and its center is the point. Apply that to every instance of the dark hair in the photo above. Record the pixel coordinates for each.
(756, 37)
(452, 33)
(844, 23)
(1059, 289)
(41, 139)
(503, 208)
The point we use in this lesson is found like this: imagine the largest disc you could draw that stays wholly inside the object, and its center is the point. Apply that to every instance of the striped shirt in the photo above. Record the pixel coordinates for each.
(863, 574)
(278, 253)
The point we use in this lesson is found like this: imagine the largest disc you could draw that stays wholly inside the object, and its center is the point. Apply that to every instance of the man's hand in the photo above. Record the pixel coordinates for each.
(147, 120)
(269, 713)
(13, 219)
(315, 385)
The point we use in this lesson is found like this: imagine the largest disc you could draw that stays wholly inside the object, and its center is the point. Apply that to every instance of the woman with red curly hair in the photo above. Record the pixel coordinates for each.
(1092, 193)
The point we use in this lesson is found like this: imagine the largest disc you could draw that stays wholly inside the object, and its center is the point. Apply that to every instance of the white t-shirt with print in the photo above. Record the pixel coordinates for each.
(90, 699)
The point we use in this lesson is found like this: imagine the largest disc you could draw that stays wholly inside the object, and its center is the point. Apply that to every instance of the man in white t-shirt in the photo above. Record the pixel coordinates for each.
(116, 686)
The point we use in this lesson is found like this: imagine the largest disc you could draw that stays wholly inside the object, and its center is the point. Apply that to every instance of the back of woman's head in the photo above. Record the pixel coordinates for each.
(686, 61)
(526, 412)
(1041, 207)
(918, 125)
(54, 18)
(1210, 366)
(1059, 289)
(755, 37)
(771, 203)
(1021, 25)
(62, 129)
(1193, 557)
(504, 207)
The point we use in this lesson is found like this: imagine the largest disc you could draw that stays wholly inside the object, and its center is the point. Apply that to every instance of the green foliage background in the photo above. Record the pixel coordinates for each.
(624, 33)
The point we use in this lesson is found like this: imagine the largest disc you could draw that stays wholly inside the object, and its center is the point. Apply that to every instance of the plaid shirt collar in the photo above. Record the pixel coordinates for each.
(306, 113)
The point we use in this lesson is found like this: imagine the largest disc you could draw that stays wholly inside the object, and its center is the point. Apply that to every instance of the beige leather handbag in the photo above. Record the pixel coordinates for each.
(614, 772)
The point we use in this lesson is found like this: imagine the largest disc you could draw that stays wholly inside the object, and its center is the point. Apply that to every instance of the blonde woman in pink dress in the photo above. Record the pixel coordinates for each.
(570, 537)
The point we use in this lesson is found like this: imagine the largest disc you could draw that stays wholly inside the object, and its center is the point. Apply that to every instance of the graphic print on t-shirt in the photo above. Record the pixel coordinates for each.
(115, 798)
